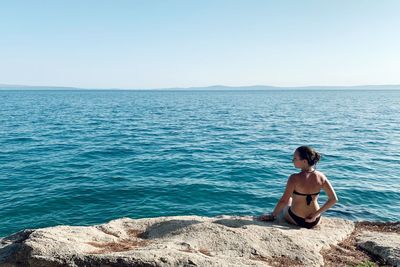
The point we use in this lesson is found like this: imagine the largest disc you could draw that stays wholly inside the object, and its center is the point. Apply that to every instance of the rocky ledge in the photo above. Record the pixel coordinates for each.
(190, 241)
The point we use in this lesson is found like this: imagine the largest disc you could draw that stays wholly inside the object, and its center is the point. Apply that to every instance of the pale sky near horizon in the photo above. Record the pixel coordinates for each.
(160, 44)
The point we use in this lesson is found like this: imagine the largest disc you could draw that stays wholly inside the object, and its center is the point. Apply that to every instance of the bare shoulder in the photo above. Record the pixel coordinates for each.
(293, 178)
(321, 177)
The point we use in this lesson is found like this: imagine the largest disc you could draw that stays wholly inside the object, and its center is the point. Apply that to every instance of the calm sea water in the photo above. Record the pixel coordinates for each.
(86, 157)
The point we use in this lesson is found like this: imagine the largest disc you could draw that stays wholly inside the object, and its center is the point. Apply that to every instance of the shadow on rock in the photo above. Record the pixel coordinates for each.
(162, 229)
(240, 223)
(13, 249)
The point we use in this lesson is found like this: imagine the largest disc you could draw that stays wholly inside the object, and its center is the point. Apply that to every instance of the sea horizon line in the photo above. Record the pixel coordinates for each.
(16, 87)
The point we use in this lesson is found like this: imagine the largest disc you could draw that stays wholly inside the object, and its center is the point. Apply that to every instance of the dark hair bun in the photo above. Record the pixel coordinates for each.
(308, 153)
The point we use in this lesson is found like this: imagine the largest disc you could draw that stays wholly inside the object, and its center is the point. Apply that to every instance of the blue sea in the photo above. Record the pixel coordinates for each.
(86, 157)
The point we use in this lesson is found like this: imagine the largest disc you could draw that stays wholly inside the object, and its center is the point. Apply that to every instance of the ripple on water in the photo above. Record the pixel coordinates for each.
(85, 157)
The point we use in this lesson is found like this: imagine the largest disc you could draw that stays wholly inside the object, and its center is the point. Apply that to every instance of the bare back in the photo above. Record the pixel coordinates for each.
(306, 183)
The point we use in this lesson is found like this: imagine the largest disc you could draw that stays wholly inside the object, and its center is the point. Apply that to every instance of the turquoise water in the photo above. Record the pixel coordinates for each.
(86, 157)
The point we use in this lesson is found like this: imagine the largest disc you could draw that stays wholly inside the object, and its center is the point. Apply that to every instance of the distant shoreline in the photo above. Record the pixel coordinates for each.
(7, 87)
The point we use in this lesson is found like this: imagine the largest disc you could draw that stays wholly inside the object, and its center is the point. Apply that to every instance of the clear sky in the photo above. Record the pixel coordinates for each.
(158, 44)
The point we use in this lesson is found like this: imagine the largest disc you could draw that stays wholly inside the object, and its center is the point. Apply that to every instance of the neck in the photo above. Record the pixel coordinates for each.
(310, 169)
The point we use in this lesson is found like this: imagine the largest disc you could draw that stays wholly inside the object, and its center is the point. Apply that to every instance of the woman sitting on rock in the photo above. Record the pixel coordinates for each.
(299, 203)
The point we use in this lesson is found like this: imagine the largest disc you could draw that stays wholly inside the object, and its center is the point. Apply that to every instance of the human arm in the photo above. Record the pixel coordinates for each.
(332, 199)
(285, 197)
(284, 200)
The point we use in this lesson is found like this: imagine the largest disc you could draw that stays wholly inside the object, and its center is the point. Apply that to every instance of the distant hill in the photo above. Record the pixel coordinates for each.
(213, 88)
(266, 87)
(35, 87)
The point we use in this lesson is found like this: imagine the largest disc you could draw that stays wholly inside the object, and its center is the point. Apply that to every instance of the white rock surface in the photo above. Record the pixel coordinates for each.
(174, 241)
(383, 245)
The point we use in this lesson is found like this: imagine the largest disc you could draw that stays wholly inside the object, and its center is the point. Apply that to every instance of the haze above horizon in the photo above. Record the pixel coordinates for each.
(168, 44)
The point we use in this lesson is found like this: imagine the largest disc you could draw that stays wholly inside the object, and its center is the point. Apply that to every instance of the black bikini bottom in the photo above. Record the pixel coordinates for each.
(301, 221)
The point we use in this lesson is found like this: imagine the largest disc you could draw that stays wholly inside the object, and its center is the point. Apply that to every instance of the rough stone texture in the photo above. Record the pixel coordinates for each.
(384, 245)
(174, 241)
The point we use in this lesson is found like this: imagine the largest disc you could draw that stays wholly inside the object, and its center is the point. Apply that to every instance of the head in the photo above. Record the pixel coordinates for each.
(305, 157)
